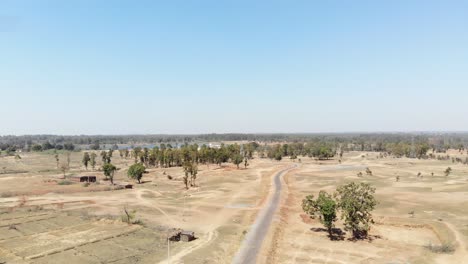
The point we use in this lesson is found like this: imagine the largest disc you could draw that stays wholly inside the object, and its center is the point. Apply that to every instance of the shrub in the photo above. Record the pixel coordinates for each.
(65, 182)
(444, 248)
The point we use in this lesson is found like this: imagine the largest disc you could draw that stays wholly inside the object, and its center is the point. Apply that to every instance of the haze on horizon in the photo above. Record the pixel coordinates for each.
(153, 67)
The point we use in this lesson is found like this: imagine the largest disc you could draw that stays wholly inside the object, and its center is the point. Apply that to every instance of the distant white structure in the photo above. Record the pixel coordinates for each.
(216, 146)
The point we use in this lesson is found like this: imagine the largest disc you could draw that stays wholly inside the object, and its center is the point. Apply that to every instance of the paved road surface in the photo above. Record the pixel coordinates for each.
(252, 243)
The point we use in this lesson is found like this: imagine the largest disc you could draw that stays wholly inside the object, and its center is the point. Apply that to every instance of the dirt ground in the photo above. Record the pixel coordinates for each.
(44, 221)
(439, 204)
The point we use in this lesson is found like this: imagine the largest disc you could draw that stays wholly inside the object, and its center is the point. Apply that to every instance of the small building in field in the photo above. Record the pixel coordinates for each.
(86, 178)
(180, 235)
(187, 236)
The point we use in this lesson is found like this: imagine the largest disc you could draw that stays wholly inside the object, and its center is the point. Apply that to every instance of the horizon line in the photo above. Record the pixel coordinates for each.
(247, 133)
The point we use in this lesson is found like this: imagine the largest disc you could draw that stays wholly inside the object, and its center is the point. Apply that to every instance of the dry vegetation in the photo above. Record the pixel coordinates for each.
(37, 203)
(48, 219)
(418, 219)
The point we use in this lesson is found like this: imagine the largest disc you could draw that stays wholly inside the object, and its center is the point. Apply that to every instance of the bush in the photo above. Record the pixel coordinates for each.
(86, 184)
(65, 182)
(169, 177)
(444, 248)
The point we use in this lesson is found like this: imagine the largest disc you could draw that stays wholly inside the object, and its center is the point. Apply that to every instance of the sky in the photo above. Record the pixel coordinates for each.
(188, 67)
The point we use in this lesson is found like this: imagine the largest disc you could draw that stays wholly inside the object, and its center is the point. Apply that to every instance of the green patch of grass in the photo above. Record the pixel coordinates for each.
(13, 171)
(47, 170)
(65, 182)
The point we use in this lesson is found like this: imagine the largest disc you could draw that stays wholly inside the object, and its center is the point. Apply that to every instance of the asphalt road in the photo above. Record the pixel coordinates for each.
(252, 243)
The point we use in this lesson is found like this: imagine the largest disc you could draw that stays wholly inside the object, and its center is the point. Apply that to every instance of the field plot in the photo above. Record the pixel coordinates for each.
(45, 221)
(50, 237)
(416, 215)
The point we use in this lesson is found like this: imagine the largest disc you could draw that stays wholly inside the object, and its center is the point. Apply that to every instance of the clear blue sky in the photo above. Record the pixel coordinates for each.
(114, 67)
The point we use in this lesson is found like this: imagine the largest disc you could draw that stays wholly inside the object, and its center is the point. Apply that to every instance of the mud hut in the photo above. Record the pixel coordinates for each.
(85, 178)
(187, 236)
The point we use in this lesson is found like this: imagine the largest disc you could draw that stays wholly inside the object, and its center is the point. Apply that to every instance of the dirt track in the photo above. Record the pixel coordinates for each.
(252, 243)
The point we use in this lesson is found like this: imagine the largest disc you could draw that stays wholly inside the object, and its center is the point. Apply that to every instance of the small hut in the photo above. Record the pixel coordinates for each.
(187, 236)
(85, 178)
(173, 234)
(176, 234)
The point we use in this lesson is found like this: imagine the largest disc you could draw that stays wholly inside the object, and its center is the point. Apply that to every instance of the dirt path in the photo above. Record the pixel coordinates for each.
(143, 201)
(252, 243)
(203, 241)
(460, 253)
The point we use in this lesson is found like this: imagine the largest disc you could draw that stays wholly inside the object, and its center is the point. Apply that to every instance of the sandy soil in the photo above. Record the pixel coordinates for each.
(439, 204)
(44, 222)
(219, 210)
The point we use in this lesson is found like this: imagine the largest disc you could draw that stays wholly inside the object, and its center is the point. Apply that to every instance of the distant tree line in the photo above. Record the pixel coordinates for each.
(398, 144)
(318, 150)
(166, 155)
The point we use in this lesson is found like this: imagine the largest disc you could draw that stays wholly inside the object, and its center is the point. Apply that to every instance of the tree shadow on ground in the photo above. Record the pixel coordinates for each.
(143, 182)
(368, 238)
(337, 233)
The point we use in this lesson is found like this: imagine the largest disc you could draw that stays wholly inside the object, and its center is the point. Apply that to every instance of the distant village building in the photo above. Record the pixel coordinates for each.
(214, 145)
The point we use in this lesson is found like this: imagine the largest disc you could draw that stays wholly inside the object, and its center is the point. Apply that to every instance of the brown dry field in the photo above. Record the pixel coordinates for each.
(44, 222)
(440, 206)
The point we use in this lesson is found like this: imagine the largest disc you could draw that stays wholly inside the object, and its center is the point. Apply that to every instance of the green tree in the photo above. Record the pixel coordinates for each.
(325, 207)
(193, 174)
(64, 168)
(86, 160)
(136, 171)
(237, 159)
(57, 160)
(448, 171)
(136, 153)
(36, 147)
(106, 157)
(109, 170)
(68, 158)
(356, 201)
(246, 162)
(93, 160)
(190, 169)
(278, 156)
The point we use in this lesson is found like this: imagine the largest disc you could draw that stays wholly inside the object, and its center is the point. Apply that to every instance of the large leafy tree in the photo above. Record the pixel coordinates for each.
(324, 207)
(109, 170)
(136, 171)
(356, 201)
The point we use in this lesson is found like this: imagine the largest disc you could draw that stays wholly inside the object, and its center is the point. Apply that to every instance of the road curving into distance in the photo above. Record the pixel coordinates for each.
(252, 243)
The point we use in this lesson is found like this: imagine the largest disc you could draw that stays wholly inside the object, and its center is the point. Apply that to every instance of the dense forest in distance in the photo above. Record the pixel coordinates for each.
(355, 141)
